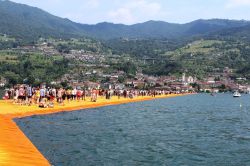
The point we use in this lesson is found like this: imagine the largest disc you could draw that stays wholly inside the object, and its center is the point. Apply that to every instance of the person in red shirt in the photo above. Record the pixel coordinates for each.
(6, 96)
(78, 94)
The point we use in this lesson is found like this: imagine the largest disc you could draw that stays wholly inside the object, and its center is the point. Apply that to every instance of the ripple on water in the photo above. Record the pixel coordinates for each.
(189, 130)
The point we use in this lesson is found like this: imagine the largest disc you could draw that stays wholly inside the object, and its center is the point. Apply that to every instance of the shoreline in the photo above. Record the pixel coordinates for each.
(15, 146)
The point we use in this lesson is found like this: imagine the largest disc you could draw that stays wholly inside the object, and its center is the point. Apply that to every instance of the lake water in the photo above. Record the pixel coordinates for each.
(189, 130)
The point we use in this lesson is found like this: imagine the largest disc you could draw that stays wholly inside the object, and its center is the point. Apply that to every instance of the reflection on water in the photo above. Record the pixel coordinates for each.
(189, 130)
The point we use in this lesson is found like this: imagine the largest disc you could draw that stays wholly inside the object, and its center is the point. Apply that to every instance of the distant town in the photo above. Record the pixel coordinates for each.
(96, 74)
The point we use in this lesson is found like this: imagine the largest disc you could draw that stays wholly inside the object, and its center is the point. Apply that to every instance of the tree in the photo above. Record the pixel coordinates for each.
(223, 87)
(129, 68)
(30, 80)
(64, 84)
(121, 79)
(12, 78)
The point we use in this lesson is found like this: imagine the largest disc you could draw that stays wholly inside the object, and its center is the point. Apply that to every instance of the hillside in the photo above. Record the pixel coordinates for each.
(154, 47)
(236, 33)
(150, 29)
(28, 22)
(161, 29)
(205, 56)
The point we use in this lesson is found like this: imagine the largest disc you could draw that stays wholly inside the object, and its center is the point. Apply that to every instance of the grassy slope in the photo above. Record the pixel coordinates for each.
(203, 56)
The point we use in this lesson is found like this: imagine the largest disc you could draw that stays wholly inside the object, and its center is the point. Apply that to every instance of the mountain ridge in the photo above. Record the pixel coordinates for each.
(28, 22)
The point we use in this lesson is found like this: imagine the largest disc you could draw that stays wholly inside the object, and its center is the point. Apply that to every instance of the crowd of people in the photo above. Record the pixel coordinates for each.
(47, 96)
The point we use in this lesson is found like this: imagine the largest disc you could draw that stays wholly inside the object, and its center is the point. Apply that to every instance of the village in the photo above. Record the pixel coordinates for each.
(169, 83)
(95, 66)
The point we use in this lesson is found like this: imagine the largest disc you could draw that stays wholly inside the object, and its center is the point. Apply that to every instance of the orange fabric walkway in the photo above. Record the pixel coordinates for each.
(17, 149)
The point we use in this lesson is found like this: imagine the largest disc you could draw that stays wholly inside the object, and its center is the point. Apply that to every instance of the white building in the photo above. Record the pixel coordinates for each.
(190, 80)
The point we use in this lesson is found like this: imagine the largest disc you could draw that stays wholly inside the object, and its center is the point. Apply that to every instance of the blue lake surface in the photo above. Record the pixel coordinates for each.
(189, 130)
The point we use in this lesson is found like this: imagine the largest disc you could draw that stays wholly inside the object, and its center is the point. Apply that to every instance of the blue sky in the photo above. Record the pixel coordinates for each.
(135, 11)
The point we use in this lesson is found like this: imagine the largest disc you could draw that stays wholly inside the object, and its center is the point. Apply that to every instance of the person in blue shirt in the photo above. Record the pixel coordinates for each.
(29, 95)
(42, 93)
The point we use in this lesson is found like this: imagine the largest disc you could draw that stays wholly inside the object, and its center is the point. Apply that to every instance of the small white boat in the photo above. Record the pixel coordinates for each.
(236, 94)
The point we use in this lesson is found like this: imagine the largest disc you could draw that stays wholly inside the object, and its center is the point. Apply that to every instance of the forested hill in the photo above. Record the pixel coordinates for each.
(236, 33)
(160, 29)
(25, 22)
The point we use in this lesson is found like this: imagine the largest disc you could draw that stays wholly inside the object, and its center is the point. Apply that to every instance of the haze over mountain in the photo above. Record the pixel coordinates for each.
(26, 22)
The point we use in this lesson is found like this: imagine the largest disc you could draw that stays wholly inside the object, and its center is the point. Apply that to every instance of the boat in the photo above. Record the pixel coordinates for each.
(236, 94)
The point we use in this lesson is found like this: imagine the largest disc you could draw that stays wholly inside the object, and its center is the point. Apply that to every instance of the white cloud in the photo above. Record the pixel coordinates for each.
(237, 3)
(136, 11)
(122, 15)
(93, 3)
(145, 6)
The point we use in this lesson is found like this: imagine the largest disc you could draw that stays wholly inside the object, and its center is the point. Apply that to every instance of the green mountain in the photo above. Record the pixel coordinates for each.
(160, 29)
(197, 47)
(23, 21)
(236, 33)
(150, 29)
(27, 22)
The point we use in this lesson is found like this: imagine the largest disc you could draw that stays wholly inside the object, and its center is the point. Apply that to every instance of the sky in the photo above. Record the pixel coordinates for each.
(137, 11)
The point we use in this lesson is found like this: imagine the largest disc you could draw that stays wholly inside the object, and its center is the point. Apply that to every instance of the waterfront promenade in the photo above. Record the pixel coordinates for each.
(17, 149)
